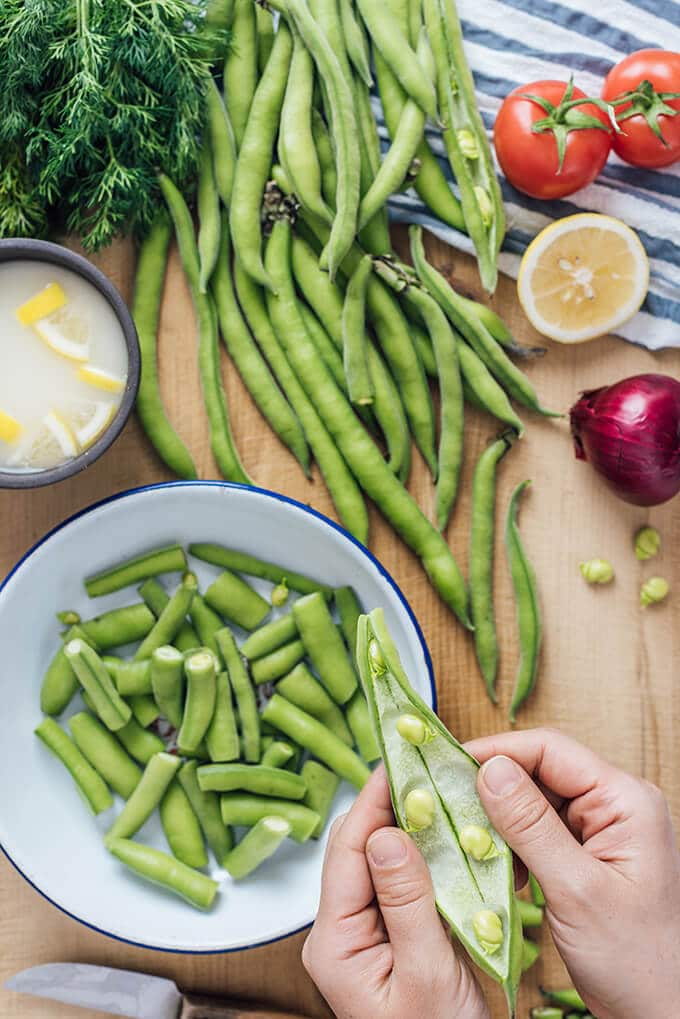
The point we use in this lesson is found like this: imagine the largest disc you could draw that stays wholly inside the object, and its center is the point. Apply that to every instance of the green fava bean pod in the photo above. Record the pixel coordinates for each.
(322, 785)
(325, 647)
(199, 669)
(96, 681)
(265, 36)
(394, 46)
(146, 307)
(170, 620)
(132, 679)
(245, 810)
(240, 67)
(309, 733)
(244, 695)
(482, 391)
(255, 158)
(242, 562)
(326, 349)
(154, 595)
(206, 806)
(208, 202)
(151, 564)
(528, 610)
(167, 683)
(357, 373)
(222, 142)
(221, 439)
(222, 738)
(236, 601)
(181, 827)
(105, 754)
(158, 774)
(256, 846)
(165, 870)
(356, 42)
(118, 627)
(475, 897)
(270, 637)
(481, 560)
(250, 363)
(60, 683)
(277, 755)
(278, 663)
(90, 783)
(301, 688)
(251, 778)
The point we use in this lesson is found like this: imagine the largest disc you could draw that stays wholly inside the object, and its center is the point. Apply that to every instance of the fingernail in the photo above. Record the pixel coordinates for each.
(501, 775)
(387, 849)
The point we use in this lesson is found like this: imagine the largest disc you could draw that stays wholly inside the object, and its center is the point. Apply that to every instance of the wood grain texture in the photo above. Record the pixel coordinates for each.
(609, 670)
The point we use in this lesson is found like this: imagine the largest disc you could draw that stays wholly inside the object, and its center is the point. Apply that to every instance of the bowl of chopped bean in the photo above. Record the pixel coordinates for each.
(187, 718)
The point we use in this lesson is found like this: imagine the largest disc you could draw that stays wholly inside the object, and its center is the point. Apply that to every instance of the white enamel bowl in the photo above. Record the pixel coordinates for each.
(46, 830)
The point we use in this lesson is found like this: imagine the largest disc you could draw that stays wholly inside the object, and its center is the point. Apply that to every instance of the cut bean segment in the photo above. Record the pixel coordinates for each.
(206, 623)
(199, 706)
(181, 826)
(236, 601)
(244, 809)
(325, 647)
(164, 870)
(221, 737)
(105, 754)
(270, 637)
(167, 682)
(60, 682)
(95, 680)
(322, 785)
(131, 678)
(207, 809)
(139, 742)
(465, 888)
(257, 846)
(530, 915)
(301, 688)
(361, 727)
(315, 737)
(251, 778)
(244, 695)
(151, 564)
(91, 784)
(144, 709)
(277, 754)
(280, 662)
(119, 626)
(150, 790)
(154, 595)
(172, 617)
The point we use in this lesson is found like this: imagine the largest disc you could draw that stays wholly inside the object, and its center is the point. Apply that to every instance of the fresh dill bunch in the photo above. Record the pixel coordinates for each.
(102, 94)
(22, 213)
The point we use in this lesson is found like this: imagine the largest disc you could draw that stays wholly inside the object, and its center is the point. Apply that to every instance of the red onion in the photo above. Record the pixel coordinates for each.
(630, 432)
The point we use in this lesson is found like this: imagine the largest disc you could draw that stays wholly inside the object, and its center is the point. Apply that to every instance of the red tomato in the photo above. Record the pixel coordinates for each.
(530, 159)
(639, 144)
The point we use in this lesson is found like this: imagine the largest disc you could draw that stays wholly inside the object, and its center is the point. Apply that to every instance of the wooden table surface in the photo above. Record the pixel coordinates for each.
(609, 670)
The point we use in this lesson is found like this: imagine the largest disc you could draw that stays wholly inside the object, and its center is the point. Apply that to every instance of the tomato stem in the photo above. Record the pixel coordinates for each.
(646, 102)
(563, 118)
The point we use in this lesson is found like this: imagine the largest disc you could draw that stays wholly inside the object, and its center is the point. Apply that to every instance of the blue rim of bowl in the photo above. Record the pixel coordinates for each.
(24, 249)
(280, 498)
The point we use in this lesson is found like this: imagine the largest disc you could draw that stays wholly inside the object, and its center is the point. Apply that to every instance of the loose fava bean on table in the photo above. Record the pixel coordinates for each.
(118, 627)
(301, 688)
(256, 846)
(206, 806)
(221, 738)
(105, 754)
(149, 279)
(157, 776)
(181, 827)
(245, 810)
(60, 682)
(96, 681)
(482, 546)
(236, 601)
(200, 672)
(251, 778)
(242, 562)
(167, 683)
(315, 737)
(528, 609)
(244, 695)
(270, 636)
(221, 439)
(151, 564)
(363, 456)
(277, 663)
(165, 870)
(91, 784)
(434, 794)
(325, 647)
(172, 617)
(322, 785)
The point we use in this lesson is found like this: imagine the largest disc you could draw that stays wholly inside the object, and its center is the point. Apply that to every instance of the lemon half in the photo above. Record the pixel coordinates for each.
(582, 277)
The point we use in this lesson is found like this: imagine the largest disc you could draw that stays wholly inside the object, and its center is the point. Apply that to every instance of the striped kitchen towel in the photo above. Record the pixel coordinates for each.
(513, 42)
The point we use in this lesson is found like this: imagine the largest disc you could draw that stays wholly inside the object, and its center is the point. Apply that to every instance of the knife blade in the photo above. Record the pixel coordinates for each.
(127, 993)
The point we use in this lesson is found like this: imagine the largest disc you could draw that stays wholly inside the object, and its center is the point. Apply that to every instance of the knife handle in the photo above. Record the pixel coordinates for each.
(197, 1007)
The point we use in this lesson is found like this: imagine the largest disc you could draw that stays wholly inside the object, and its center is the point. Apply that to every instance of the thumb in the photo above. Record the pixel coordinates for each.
(520, 813)
(403, 889)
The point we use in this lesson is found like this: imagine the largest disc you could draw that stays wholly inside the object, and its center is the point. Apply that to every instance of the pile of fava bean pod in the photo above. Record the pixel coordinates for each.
(338, 341)
(218, 736)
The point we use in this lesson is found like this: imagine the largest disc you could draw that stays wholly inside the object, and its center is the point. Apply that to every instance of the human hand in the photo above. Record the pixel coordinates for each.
(601, 844)
(378, 946)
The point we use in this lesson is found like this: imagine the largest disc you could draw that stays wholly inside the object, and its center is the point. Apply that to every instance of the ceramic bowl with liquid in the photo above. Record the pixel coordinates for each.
(69, 363)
